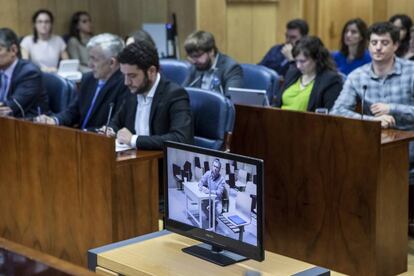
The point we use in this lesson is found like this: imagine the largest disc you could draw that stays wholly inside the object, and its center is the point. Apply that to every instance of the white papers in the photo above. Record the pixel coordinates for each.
(121, 147)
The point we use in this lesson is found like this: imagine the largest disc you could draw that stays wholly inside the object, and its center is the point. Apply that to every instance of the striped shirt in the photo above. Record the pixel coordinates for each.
(395, 89)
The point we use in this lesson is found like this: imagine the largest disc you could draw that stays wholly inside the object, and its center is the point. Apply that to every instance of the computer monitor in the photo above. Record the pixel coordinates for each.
(222, 216)
(248, 96)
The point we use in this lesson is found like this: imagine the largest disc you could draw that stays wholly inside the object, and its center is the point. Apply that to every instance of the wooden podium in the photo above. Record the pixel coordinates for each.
(63, 191)
(336, 189)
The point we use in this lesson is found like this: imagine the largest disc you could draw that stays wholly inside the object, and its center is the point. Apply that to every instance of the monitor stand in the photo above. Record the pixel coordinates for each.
(214, 254)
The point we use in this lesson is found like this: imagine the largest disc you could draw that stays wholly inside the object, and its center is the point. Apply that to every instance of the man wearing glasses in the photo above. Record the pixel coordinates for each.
(210, 70)
(279, 57)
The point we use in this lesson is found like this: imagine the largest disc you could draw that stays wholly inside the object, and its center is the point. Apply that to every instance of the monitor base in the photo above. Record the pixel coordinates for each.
(214, 254)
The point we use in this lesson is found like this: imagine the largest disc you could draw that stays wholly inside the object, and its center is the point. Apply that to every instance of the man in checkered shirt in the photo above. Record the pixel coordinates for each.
(388, 83)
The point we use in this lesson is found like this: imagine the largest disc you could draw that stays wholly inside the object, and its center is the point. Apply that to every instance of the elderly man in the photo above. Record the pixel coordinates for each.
(101, 90)
(21, 93)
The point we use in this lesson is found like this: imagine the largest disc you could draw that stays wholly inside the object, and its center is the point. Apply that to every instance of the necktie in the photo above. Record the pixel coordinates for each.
(3, 87)
(88, 114)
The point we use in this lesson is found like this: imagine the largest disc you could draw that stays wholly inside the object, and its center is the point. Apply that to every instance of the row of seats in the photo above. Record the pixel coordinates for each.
(213, 114)
(254, 76)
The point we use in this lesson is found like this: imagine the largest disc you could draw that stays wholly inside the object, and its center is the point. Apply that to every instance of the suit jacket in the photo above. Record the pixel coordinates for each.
(113, 91)
(327, 86)
(26, 90)
(170, 117)
(228, 71)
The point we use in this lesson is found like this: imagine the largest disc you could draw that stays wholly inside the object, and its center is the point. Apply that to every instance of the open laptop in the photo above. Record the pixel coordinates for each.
(69, 69)
(248, 96)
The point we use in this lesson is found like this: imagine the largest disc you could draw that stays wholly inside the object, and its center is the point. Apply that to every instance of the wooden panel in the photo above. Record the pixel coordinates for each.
(154, 11)
(59, 193)
(287, 10)
(322, 189)
(26, 12)
(264, 28)
(101, 11)
(211, 16)
(239, 32)
(399, 6)
(136, 198)
(130, 16)
(64, 11)
(8, 12)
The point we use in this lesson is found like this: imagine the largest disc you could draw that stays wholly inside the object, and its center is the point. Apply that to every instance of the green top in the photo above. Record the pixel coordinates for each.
(297, 98)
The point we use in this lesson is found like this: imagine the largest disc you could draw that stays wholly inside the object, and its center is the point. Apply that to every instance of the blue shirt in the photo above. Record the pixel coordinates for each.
(345, 66)
(274, 59)
(396, 89)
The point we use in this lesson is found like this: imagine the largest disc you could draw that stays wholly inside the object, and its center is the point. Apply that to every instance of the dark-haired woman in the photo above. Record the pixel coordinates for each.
(403, 23)
(80, 32)
(314, 82)
(353, 52)
(43, 48)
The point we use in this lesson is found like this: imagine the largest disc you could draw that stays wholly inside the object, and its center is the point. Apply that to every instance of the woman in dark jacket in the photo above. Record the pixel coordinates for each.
(314, 82)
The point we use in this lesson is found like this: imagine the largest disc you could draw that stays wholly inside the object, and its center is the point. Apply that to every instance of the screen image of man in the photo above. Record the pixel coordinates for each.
(212, 183)
(102, 91)
(211, 69)
(156, 110)
(21, 91)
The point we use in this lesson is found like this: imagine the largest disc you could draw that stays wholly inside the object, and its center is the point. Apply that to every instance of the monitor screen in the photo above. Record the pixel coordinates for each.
(215, 197)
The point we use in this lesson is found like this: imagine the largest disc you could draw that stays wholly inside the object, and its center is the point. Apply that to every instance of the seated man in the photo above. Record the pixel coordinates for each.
(101, 90)
(386, 85)
(210, 70)
(212, 182)
(21, 92)
(280, 57)
(156, 110)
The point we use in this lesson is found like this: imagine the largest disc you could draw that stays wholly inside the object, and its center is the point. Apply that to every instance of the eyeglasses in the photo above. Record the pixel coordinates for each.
(43, 22)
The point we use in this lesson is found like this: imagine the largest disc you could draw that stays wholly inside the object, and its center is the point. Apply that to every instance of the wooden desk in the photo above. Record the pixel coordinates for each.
(160, 254)
(337, 188)
(17, 259)
(63, 191)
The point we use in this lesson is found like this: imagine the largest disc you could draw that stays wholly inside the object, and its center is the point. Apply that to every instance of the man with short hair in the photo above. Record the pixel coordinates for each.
(156, 110)
(21, 91)
(101, 91)
(211, 69)
(213, 183)
(386, 85)
(280, 57)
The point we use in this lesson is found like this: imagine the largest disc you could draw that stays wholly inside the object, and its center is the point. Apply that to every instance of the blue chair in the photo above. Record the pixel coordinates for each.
(174, 70)
(60, 91)
(262, 78)
(213, 116)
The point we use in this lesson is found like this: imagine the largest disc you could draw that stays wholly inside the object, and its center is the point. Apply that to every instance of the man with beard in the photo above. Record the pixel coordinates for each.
(210, 70)
(156, 110)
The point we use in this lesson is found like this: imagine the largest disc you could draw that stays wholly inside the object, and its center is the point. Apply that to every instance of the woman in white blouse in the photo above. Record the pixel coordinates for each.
(42, 47)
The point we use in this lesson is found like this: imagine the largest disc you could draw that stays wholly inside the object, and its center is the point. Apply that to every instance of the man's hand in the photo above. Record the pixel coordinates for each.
(287, 51)
(108, 131)
(387, 121)
(379, 109)
(205, 190)
(124, 136)
(43, 119)
(5, 111)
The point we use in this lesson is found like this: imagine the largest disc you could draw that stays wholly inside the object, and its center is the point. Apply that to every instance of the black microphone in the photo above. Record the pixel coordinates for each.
(195, 81)
(20, 108)
(111, 107)
(364, 91)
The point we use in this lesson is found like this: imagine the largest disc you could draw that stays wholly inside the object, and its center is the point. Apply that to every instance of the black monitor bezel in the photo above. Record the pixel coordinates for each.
(255, 252)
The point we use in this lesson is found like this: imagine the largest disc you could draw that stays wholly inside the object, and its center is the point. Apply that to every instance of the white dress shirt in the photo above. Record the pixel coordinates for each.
(142, 116)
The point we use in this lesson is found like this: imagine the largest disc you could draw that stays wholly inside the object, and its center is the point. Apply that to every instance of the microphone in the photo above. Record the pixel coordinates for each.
(20, 108)
(364, 91)
(111, 107)
(195, 81)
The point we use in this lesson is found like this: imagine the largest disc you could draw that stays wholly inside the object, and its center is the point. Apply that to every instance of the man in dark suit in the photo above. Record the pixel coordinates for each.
(156, 110)
(21, 92)
(210, 70)
(101, 91)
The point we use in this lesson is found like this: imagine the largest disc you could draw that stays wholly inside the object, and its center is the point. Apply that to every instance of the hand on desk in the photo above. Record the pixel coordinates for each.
(43, 119)
(379, 109)
(387, 121)
(108, 131)
(204, 189)
(5, 111)
(124, 136)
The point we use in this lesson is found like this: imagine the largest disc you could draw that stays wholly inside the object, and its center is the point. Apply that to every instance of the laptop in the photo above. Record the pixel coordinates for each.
(69, 69)
(248, 96)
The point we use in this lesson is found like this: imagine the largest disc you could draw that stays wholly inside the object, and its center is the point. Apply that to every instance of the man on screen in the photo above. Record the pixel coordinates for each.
(212, 183)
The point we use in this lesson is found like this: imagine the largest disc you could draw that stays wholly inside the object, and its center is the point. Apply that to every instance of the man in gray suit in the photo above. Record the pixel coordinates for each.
(210, 70)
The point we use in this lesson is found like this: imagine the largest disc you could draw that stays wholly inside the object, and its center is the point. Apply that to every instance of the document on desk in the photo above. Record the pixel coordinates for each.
(236, 219)
(121, 147)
